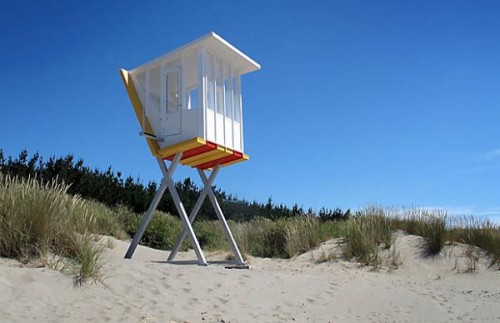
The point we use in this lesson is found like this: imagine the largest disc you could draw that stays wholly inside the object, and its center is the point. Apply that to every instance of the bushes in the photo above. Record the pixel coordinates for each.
(210, 235)
(161, 231)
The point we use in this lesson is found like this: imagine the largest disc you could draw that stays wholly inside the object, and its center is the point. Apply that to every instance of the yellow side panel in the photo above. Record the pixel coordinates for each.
(182, 146)
(136, 103)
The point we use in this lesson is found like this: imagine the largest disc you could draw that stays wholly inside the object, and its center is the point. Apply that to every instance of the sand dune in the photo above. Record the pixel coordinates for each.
(273, 290)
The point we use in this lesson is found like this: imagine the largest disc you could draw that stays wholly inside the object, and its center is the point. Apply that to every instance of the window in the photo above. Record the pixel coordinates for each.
(229, 99)
(210, 94)
(210, 83)
(237, 102)
(220, 98)
(193, 98)
(219, 86)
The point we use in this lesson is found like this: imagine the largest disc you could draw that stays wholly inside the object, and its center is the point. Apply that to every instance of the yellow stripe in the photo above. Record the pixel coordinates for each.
(219, 153)
(182, 146)
(205, 155)
(136, 103)
(242, 159)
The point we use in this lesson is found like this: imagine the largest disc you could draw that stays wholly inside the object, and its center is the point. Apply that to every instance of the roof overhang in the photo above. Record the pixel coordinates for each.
(215, 45)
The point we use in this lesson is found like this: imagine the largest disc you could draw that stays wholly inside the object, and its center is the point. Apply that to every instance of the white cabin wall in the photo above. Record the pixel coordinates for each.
(237, 137)
(202, 93)
(212, 75)
(149, 94)
(210, 125)
(238, 109)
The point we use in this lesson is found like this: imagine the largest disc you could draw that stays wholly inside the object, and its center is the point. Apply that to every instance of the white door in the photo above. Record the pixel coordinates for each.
(171, 102)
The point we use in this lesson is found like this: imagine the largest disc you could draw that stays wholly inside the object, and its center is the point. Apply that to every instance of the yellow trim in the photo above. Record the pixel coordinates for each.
(218, 153)
(242, 159)
(205, 155)
(182, 146)
(137, 105)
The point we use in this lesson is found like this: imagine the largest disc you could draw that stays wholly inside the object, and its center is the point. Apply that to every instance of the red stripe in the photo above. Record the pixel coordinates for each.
(220, 161)
(195, 151)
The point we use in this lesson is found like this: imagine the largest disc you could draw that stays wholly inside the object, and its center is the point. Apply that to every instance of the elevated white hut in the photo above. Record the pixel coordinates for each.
(189, 101)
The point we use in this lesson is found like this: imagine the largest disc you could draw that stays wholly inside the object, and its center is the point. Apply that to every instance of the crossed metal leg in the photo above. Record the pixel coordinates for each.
(167, 182)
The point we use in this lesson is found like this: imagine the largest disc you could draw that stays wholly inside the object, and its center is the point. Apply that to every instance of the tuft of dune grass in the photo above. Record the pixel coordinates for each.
(481, 233)
(283, 238)
(365, 233)
(38, 220)
(431, 225)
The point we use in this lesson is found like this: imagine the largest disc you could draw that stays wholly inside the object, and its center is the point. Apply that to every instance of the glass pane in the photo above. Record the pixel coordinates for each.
(210, 84)
(193, 99)
(236, 100)
(228, 100)
(219, 85)
(210, 94)
(220, 98)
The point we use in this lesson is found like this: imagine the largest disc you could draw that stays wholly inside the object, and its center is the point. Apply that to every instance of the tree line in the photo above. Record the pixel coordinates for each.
(111, 188)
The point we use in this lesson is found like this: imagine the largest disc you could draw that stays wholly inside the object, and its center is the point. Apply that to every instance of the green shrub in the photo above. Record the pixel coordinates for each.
(332, 229)
(161, 232)
(210, 235)
(106, 221)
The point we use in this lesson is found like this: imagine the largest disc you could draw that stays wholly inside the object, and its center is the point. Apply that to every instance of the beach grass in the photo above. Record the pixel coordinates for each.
(477, 232)
(39, 220)
(283, 238)
(429, 224)
(365, 233)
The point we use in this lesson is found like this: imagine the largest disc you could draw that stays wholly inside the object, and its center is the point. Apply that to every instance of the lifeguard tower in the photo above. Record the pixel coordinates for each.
(188, 104)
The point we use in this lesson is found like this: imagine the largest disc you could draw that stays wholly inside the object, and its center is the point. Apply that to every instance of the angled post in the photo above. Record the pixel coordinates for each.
(220, 216)
(152, 207)
(180, 207)
(192, 216)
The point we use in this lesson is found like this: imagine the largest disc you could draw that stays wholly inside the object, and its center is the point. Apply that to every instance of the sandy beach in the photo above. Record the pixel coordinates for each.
(146, 289)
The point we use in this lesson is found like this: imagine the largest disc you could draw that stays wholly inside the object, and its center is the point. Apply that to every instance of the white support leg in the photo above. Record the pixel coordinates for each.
(147, 218)
(192, 216)
(180, 207)
(168, 182)
(220, 215)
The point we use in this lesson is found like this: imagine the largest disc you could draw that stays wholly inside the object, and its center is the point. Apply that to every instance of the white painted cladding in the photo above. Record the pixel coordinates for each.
(195, 92)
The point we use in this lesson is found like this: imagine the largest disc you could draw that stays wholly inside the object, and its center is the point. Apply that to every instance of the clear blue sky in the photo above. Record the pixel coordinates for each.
(357, 102)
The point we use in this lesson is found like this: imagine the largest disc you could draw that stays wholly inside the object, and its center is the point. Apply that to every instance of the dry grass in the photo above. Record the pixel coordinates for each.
(285, 238)
(431, 225)
(40, 220)
(481, 233)
(366, 233)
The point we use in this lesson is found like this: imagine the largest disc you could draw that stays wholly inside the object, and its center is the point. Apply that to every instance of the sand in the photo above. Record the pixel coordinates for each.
(146, 289)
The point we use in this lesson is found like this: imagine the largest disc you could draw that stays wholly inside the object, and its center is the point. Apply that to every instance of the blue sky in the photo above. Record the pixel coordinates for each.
(357, 102)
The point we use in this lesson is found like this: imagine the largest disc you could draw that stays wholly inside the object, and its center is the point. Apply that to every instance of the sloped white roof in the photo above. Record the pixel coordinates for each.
(214, 44)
